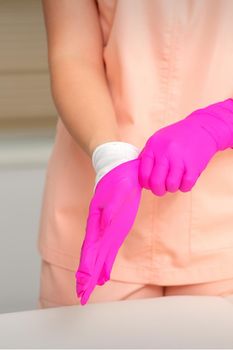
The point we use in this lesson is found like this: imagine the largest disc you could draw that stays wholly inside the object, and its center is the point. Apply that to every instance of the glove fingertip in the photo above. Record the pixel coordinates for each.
(84, 299)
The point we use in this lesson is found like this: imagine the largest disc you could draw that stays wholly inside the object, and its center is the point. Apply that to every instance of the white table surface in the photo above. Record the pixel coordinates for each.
(165, 322)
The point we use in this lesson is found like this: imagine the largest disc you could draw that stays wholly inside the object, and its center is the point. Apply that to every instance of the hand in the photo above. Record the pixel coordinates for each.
(175, 156)
(112, 212)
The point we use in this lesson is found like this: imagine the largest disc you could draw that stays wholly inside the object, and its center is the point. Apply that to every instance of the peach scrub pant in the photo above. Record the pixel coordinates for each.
(57, 288)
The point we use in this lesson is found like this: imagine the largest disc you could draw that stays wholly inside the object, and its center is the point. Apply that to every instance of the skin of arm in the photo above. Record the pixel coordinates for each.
(78, 81)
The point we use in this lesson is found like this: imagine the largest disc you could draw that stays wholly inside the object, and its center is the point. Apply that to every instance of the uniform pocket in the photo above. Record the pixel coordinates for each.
(212, 206)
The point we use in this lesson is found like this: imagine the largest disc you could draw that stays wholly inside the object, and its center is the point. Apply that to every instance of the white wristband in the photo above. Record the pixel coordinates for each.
(110, 154)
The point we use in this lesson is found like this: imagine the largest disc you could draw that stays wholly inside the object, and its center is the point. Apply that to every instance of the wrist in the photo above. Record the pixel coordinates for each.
(110, 154)
(217, 120)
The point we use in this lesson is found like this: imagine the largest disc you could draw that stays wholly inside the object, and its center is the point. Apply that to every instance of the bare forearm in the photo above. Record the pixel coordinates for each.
(83, 101)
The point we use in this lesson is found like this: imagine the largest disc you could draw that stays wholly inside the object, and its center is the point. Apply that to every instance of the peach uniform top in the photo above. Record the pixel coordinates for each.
(163, 60)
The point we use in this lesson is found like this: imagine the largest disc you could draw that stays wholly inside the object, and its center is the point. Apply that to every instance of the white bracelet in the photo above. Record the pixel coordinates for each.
(110, 154)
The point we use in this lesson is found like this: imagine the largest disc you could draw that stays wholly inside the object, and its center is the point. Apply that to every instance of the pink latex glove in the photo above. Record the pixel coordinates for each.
(174, 156)
(112, 212)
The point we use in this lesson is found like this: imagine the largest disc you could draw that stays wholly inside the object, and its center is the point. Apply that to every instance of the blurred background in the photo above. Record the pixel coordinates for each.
(27, 128)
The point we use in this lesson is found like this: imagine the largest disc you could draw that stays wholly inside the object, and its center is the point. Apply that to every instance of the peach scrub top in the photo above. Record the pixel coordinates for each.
(163, 60)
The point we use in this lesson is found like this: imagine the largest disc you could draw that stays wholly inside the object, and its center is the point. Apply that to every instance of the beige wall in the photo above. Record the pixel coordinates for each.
(27, 124)
(25, 97)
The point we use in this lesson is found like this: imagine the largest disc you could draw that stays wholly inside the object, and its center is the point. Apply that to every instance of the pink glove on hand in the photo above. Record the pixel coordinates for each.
(175, 156)
(112, 212)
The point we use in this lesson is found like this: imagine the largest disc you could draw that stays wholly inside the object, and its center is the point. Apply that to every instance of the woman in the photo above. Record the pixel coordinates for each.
(122, 70)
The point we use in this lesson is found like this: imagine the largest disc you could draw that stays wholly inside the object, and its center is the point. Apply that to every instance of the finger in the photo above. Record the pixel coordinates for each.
(145, 167)
(129, 209)
(175, 173)
(189, 179)
(81, 280)
(103, 277)
(99, 263)
(158, 176)
(88, 250)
